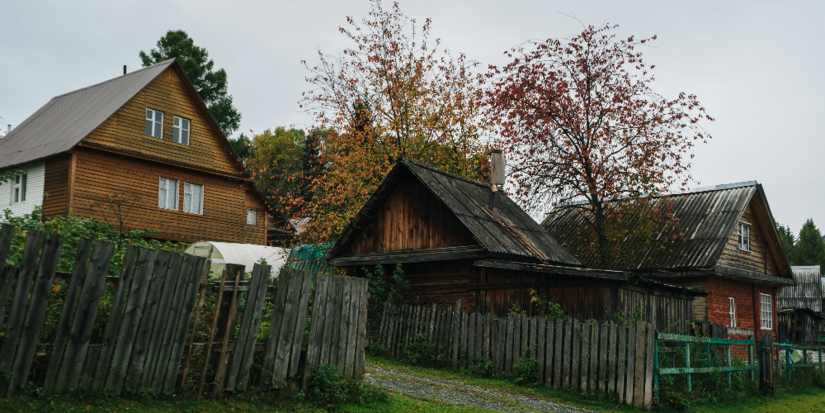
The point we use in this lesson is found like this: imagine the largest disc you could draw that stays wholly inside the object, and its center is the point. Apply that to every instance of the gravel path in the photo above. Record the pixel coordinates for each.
(454, 391)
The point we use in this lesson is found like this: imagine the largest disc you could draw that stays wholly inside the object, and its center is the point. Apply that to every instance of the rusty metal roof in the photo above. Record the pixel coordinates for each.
(66, 119)
(707, 217)
(505, 231)
(807, 293)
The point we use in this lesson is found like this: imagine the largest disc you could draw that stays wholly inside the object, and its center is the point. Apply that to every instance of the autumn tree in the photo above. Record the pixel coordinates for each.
(579, 121)
(393, 94)
(276, 154)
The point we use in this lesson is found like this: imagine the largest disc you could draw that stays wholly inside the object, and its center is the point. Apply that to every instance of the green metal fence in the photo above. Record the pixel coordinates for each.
(805, 360)
(682, 359)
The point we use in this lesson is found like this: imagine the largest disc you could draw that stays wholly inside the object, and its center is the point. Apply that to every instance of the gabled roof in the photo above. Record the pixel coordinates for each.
(807, 293)
(708, 217)
(505, 231)
(66, 119)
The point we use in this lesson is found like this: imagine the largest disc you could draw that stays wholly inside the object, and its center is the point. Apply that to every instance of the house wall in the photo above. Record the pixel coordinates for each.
(759, 258)
(35, 179)
(98, 175)
(58, 175)
(411, 218)
(747, 306)
(168, 93)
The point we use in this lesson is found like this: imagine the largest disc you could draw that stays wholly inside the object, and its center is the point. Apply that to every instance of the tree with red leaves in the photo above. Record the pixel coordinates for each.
(580, 122)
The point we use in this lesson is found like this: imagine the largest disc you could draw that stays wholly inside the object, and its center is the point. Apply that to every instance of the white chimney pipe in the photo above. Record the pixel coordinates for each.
(497, 166)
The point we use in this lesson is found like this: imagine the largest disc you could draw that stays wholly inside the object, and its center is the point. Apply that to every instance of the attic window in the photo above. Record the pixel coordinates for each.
(744, 236)
(180, 132)
(154, 123)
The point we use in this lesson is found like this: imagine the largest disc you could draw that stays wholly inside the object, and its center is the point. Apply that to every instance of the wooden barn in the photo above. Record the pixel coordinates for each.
(800, 306)
(730, 248)
(458, 239)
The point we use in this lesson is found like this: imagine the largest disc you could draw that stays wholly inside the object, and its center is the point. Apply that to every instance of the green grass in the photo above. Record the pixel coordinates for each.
(809, 399)
(82, 403)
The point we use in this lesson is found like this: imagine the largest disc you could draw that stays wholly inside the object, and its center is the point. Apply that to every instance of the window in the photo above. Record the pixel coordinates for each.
(193, 198)
(732, 310)
(251, 217)
(744, 236)
(180, 131)
(767, 311)
(168, 194)
(18, 191)
(154, 123)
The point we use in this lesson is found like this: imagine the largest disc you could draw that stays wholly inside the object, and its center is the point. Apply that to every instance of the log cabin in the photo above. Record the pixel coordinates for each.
(143, 143)
(457, 239)
(799, 307)
(730, 248)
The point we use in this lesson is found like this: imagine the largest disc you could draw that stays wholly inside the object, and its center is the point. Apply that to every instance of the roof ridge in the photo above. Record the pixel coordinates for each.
(697, 190)
(443, 172)
(165, 62)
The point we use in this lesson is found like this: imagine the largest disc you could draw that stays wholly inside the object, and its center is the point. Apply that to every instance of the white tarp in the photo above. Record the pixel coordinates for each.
(223, 253)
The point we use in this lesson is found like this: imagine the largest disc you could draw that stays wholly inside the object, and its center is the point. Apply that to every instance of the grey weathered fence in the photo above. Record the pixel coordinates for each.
(601, 358)
(153, 315)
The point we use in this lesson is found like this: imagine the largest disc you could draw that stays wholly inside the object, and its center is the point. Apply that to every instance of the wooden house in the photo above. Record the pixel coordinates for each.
(730, 248)
(143, 143)
(800, 306)
(458, 239)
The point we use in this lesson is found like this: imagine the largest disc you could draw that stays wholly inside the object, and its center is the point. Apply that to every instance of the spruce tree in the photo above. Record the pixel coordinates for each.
(809, 249)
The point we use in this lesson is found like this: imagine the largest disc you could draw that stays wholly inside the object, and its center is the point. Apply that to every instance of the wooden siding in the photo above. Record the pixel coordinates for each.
(56, 188)
(759, 258)
(411, 218)
(700, 304)
(100, 174)
(126, 128)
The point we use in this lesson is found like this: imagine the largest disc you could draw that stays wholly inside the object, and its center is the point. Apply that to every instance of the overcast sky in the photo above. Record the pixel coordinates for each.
(757, 67)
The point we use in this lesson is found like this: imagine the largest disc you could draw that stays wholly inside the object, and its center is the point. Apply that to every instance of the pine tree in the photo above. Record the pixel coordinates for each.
(787, 239)
(809, 248)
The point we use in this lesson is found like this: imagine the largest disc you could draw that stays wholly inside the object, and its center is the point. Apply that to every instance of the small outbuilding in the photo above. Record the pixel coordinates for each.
(800, 306)
(222, 253)
(458, 239)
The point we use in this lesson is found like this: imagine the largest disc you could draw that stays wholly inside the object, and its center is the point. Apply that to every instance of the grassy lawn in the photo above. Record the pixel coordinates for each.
(810, 399)
(246, 403)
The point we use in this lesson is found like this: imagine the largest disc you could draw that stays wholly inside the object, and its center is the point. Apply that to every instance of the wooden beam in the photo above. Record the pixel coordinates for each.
(409, 256)
(552, 269)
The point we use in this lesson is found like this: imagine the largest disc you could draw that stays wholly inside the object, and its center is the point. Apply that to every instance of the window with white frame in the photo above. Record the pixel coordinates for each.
(18, 189)
(251, 217)
(732, 311)
(192, 198)
(180, 131)
(744, 236)
(168, 194)
(766, 312)
(154, 123)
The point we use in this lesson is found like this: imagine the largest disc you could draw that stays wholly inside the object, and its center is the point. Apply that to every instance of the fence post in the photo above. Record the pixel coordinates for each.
(788, 360)
(656, 367)
(687, 364)
(730, 374)
(750, 357)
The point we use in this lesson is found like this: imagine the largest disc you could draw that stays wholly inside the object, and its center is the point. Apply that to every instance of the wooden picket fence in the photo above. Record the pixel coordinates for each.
(149, 340)
(601, 358)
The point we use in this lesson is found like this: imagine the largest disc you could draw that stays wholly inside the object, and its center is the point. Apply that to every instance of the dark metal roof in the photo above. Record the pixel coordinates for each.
(707, 217)
(66, 119)
(807, 293)
(505, 231)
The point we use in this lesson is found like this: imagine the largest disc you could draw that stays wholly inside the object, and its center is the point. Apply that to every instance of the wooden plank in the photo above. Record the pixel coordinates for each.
(7, 274)
(501, 346)
(604, 349)
(621, 362)
(465, 321)
(630, 363)
(254, 327)
(539, 327)
(488, 323)
(333, 292)
(456, 332)
(285, 336)
(131, 316)
(180, 274)
(115, 313)
(17, 312)
(244, 338)
(352, 329)
(471, 335)
(570, 332)
(549, 352)
(185, 318)
(363, 293)
(639, 377)
(611, 359)
(237, 272)
(525, 336)
(210, 338)
(147, 320)
(64, 326)
(344, 326)
(316, 325)
(271, 347)
(576, 363)
(161, 318)
(204, 281)
(36, 312)
(335, 343)
(508, 351)
(87, 306)
(595, 335)
(560, 343)
(649, 350)
(584, 353)
(517, 350)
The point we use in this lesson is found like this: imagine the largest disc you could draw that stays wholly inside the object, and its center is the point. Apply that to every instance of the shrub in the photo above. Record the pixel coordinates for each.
(420, 353)
(526, 369)
(385, 287)
(326, 388)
